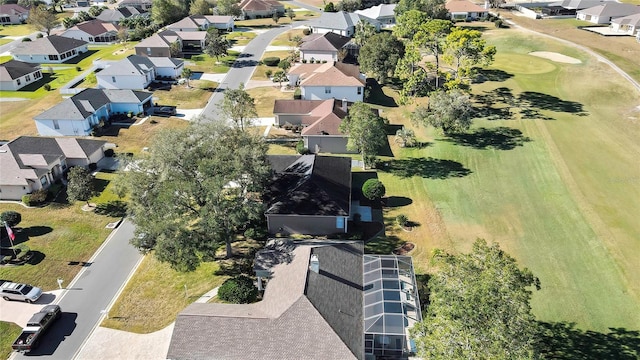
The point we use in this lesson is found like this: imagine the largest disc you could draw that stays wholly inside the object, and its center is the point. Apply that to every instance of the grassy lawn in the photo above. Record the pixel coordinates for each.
(10, 332)
(207, 64)
(241, 37)
(194, 97)
(5, 41)
(156, 294)
(563, 204)
(134, 138)
(16, 30)
(283, 21)
(63, 237)
(285, 38)
(265, 97)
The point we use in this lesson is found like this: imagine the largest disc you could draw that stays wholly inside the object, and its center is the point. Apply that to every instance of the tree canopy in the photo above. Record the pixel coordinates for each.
(200, 7)
(228, 7)
(465, 49)
(11, 218)
(196, 189)
(80, 184)
(434, 9)
(479, 308)
(380, 54)
(42, 19)
(238, 106)
(215, 44)
(450, 111)
(364, 31)
(166, 12)
(366, 130)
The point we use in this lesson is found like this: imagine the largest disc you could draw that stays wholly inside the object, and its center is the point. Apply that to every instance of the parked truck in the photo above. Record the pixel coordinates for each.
(39, 323)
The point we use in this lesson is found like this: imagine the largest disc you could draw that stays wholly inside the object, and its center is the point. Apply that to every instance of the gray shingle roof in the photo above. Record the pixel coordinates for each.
(340, 20)
(14, 69)
(115, 15)
(52, 44)
(136, 64)
(324, 42)
(86, 102)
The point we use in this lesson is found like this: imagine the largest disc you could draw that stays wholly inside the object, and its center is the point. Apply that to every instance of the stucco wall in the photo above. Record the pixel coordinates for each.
(311, 225)
(327, 144)
(291, 119)
(337, 92)
(166, 71)
(13, 192)
(319, 55)
(66, 127)
(122, 82)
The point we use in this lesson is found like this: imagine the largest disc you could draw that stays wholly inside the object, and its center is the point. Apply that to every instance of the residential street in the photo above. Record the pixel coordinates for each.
(244, 67)
(4, 49)
(94, 289)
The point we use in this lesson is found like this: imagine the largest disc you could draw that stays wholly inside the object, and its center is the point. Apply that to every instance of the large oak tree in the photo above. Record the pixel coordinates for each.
(366, 130)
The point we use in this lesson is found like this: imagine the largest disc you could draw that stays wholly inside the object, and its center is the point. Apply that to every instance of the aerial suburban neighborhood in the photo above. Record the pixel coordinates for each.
(315, 179)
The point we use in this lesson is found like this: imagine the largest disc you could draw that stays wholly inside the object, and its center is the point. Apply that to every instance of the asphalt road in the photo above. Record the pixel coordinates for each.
(93, 290)
(243, 68)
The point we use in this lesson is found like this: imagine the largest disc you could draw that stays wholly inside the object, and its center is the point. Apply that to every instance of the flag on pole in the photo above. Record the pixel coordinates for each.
(12, 236)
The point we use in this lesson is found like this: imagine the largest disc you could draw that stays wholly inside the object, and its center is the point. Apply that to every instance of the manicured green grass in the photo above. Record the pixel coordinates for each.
(10, 332)
(103, 183)
(194, 97)
(265, 97)
(156, 294)
(16, 30)
(241, 37)
(208, 64)
(558, 194)
(5, 58)
(36, 90)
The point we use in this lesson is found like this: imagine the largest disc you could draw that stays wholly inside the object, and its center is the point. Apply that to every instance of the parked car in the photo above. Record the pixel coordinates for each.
(164, 111)
(4, 281)
(21, 292)
(36, 327)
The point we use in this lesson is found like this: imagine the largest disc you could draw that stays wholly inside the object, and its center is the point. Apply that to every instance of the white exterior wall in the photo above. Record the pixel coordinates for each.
(229, 25)
(337, 92)
(15, 19)
(349, 32)
(13, 192)
(40, 59)
(319, 55)
(122, 81)
(167, 71)
(66, 127)
(13, 85)
(126, 107)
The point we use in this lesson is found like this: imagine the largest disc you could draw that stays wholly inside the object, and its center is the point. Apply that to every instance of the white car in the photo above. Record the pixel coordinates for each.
(21, 292)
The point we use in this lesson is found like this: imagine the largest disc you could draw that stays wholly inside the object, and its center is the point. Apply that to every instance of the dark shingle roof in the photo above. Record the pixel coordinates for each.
(324, 42)
(52, 44)
(14, 69)
(312, 185)
(86, 102)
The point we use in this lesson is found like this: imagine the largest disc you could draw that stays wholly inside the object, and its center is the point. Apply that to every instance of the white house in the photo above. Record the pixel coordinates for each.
(342, 23)
(137, 72)
(14, 75)
(604, 13)
(115, 15)
(629, 25)
(383, 13)
(93, 31)
(13, 14)
(465, 10)
(328, 81)
(31, 163)
(203, 22)
(79, 114)
(256, 9)
(322, 46)
(50, 49)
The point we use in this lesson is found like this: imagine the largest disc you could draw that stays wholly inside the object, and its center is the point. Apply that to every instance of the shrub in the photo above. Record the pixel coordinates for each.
(11, 218)
(324, 61)
(306, 31)
(297, 94)
(304, 61)
(109, 153)
(78, 68)
(39, 36)
(26, 39)
(238, 290)
(268, 73)
(93, 166)
(402, 220)
(47, 87)
(271, 61)
(498, 23)
(38, 196)
(26, 199)
(373, 189)
(301, 149)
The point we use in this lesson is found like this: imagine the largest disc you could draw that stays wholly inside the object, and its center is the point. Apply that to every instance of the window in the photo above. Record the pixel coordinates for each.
(327, 90)
(113, 79)
(27, 78)
(90, 39)
(53, 57)
(148, 51)
(359, 90)
(44, 181)
(37, 75)
(18, 81)
(56, 125)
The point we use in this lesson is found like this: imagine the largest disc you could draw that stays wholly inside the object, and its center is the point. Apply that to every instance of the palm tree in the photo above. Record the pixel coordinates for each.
(186, 73)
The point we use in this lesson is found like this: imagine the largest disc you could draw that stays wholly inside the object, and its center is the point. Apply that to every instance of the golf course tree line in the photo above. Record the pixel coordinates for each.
(197, 189)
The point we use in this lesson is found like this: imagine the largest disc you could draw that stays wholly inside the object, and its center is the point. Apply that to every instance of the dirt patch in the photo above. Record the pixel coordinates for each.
(553, 56)
(404, 249)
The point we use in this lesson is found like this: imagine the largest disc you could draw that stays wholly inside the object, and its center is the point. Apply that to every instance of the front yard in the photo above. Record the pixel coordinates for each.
(207, 64)
(183, 97)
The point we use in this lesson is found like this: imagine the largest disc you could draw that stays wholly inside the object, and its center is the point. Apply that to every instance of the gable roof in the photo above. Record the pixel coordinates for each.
(52, 44)
(328, 74)
(328, 41)
(303, 315)
(312, 185)
(12, 9)
(611, 9)
(378, 11)
(578, 4)
(14, 69)
(94, 27)
(321, 117)
(463, 6)
(186, 23)
(153, 41)
(633, 20)
(26, 158)
(114, 15)
(257, 5)
(341, 20)
(136, 64)
(86, 102)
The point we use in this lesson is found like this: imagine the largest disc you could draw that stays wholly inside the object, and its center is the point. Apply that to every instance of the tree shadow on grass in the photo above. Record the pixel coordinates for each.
(500, 138)
(115, 208)
(562, 340)
(382, 245)
(397, 201)
(376, 96)
(33, 231)
(99, 185)
(429, 168)
(496, 75)
(499, 104)
(542, 101)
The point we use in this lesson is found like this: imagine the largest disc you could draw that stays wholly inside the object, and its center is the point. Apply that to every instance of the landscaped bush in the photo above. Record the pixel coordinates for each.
(306, 31)
(301, 149)
(304, 61)
(11, 218)
(498, 23)
(402, 220)
(78, 68)
(38, 197)
(93, 166)
(26, 199)
(373, 189)
(238, 290)
(297, 94)
(268, 73)
(39, 36)
(47, 87)
(26, 39)
(271, 61)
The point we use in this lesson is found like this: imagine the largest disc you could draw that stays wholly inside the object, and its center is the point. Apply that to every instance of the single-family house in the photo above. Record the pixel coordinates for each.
(309, 194)
(320, 121)
(604, 13)
(629, 25)
(49, 49)
(256, 9)
(323, 300)
(114, 16)
(322, 46)
(14, 75)
(203, 23)
(79, 114)
(159, 44)
(31, 163)
(331, 80)
(13, 14)
(462, 10)
(142, 5)
(155, 46)
(569, 7)
(383, 13)
(93, 31)
(342, 23)
(137, 72)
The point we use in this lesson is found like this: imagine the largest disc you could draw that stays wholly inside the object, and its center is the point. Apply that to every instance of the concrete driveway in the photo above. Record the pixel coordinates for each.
(19, 312)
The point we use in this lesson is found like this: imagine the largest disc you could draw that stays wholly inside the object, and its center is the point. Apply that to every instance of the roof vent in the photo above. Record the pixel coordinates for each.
(314, 264)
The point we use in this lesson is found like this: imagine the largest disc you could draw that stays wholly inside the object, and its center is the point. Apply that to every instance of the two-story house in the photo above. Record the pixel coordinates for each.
(331, 80)
(137, 72)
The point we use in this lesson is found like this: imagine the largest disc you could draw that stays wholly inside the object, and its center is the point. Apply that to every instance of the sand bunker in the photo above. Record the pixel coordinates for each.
(555, 57)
